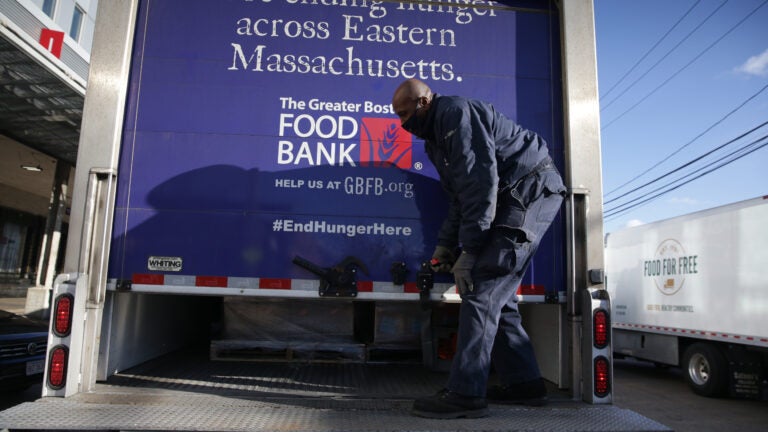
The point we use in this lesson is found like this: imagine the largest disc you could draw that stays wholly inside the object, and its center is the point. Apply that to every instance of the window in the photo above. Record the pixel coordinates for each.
(49, 7)
(77, 23)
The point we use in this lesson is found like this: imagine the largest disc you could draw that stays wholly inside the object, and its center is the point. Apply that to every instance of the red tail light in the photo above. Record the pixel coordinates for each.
(602, 377)
(601, 328)
(62, 318)
(57, 367)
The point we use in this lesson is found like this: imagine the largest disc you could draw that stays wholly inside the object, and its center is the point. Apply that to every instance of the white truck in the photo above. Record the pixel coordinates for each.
(691, 291)
(250, 221)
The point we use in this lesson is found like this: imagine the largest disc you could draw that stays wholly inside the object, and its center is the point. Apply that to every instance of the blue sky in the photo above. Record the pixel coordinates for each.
(680, 100)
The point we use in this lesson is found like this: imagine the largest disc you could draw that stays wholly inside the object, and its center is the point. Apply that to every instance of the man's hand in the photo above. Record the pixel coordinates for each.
(462, 272)
(442, 260)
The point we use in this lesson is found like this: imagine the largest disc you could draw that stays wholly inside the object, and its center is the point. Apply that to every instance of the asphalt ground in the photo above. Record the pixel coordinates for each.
(13, 304)
(662, 395)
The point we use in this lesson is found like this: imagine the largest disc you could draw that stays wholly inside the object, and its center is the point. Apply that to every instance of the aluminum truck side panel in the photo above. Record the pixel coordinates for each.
(699, 275)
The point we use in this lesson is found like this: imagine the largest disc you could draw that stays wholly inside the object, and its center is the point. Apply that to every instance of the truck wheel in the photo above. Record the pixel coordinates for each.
(706, 370)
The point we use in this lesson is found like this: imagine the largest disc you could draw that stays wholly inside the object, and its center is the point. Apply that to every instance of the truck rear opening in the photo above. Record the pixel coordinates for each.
(263, 164)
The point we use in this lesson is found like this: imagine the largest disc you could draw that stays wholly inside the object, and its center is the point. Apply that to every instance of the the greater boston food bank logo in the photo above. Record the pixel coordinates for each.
(384, 143)
(670, 266)
(307, 140)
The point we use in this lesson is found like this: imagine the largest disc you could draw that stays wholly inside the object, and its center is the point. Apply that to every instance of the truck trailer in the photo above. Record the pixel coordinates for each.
(690, 292)
(250, 226)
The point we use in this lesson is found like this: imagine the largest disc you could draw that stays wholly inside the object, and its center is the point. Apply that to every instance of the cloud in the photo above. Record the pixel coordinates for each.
(755, 65)
(634, 222)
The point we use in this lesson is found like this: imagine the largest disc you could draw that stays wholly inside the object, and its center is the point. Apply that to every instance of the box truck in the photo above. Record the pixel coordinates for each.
(250, 223)
(690, 292)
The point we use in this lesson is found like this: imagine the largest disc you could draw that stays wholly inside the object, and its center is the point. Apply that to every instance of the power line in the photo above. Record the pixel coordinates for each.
(623, 208)
(689, 163)
(639, 204)
(667, 54)
(679, 149)
(699, 158)
(634, 66)
(683, 68)
(617, 212)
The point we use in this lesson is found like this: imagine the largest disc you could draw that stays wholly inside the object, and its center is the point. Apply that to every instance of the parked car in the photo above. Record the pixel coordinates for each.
(22, 350)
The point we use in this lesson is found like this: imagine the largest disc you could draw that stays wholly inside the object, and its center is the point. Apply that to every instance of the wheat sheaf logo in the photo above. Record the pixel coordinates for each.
(383, 143)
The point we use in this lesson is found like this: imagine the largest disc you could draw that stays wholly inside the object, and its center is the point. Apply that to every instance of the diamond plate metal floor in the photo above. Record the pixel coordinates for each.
(184, 392)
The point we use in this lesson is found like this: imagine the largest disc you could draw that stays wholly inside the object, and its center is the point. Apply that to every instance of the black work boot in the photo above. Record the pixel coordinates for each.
(531, 393)
(449, 405)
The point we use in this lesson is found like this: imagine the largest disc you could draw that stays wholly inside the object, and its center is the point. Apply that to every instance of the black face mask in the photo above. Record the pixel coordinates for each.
(416, 125)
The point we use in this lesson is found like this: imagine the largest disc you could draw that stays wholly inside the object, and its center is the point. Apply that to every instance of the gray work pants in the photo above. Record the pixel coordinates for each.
(490, 326)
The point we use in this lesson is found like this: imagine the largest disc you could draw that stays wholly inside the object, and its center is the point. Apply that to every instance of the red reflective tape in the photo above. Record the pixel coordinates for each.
(410, 287)
(211, 281)
(694, 332)
(365, 286)
(531, 290)
(274, 283)
(148, 279)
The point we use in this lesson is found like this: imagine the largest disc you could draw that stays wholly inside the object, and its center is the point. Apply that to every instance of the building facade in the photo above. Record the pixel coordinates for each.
(44, 59)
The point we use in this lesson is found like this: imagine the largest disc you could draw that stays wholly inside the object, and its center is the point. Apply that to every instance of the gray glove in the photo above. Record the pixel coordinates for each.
(462, 272)
(442, 260)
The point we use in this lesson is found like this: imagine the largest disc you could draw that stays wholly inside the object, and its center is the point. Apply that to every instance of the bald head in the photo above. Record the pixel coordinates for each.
(411, 89)
(408, 95)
